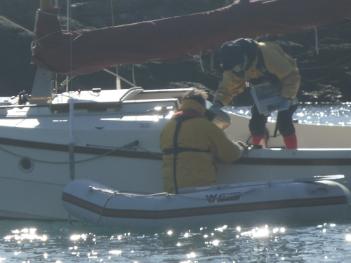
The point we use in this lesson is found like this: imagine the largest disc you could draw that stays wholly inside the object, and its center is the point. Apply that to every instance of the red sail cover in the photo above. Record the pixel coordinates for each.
(87, 51)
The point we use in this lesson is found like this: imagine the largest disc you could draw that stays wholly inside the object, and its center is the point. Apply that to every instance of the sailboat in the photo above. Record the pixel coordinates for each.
(112, 136)
(174, 37)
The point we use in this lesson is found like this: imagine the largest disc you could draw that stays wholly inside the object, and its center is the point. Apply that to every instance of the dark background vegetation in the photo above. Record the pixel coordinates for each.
(326, 75)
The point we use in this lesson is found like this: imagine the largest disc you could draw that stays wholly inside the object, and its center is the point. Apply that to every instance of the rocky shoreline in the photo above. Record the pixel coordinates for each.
(325, 65)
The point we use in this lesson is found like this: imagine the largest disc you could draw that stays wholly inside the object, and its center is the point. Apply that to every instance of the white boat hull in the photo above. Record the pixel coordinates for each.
(116, 144)
(42, 185)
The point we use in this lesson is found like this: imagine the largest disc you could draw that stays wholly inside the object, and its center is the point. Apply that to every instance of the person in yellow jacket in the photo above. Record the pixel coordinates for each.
(192, 144)
(246, 62)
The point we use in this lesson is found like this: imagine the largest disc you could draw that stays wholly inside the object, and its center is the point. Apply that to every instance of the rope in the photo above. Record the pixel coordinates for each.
(30, 181)
(201, 62)
(116, 75)
(104, 207)
(65, 162)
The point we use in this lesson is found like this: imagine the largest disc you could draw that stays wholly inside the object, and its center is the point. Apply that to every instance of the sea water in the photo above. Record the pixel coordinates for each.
(58, 242)
(309, 113)
(27, 241)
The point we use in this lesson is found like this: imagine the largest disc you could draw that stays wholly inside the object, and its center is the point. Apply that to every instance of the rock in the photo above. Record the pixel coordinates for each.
(16, 70)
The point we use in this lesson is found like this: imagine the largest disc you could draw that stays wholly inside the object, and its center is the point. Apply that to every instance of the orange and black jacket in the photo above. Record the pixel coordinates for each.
(199, 145)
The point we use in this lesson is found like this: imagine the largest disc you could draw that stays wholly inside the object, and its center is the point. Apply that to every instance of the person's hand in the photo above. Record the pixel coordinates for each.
(243, 145)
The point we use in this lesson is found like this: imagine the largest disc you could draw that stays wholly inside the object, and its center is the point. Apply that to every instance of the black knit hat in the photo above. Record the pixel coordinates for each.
(238, 52)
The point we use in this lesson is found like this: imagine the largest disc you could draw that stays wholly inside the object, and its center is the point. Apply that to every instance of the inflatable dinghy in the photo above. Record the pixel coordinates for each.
(241, 204)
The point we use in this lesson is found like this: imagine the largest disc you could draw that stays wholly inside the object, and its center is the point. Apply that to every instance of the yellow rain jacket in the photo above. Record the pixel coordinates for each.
(207, 144)
(276, 62)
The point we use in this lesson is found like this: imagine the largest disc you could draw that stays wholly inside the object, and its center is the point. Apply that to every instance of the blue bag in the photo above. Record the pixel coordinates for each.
(267, 98)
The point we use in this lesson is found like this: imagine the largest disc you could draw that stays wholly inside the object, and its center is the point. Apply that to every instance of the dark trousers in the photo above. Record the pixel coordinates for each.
(257, 124)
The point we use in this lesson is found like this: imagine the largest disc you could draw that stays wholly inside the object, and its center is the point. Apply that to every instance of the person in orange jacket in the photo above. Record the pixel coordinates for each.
(192, 144)
(245, 61)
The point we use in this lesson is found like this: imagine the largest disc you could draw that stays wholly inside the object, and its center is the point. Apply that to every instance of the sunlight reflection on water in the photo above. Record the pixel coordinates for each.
(62, 242)
(339, 114)
(30, 234)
